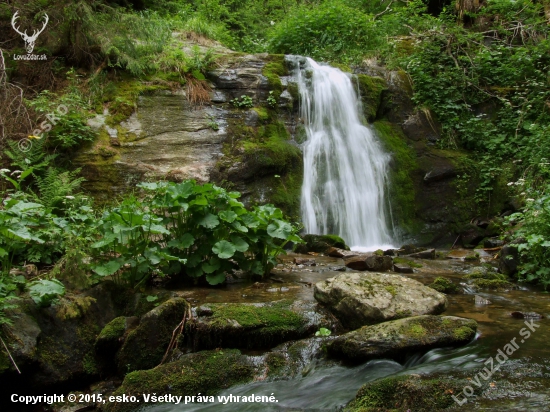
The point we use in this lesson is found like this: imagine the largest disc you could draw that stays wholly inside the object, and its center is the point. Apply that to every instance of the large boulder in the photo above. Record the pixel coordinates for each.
(256, 325)
(398, 338)
(145, 346)
(359, 299)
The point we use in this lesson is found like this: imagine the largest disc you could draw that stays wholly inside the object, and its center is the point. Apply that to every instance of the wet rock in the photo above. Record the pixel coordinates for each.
(493, 242)
(478, 300)
(305, 262)
(337, 268)
(425, 254)
(401, 268)
(359, 299)
(111, 337)
(257, 325)
(408, 393)
(390, 252)
(443, 285)
(409, 249)
(204, 372)
(509, 260)
(340, 253)
(145, 346)
(526, 315)
(371, 262)
(320, 243)
(399, 338)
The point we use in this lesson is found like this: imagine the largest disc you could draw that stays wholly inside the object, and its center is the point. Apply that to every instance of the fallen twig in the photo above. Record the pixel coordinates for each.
(177, 331)
(9, 354)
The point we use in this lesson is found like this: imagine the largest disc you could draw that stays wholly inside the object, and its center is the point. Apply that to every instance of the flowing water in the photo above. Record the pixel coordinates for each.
(523, 384)
(345, 168)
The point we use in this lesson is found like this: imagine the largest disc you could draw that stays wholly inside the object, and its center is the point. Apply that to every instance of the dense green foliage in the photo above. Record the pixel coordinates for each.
(482, 72)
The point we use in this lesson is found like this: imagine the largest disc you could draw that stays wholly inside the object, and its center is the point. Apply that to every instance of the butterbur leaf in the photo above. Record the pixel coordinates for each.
(185, 241)
(239, 244)
(3, 252)
(151, 298)
(211, 266)
(215, 279)
(257, 268)
(210, 221)
(228, 216)
(108, 268)
(224, 249)
(279, 229)
(45, 292)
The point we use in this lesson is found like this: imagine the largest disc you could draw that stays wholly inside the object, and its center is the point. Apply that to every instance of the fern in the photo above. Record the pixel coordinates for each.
(36, 157)
(56, 185)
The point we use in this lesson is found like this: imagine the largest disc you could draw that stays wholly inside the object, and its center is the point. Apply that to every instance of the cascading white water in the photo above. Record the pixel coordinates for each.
(345, 168)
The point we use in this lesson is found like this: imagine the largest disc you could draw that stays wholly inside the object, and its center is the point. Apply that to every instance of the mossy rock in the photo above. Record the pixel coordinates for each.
(403, 393)
(402, 190)
(146, 345)
(320, 243)
(443, 285)
(205, 372)
(371, 89)
(274, 68)
(398, 339)
(255, 326)
(488, 280)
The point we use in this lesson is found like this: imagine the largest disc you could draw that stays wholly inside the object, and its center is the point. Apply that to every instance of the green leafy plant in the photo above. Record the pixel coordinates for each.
(323, 332)
(271, 100)
(244, 102)
(46, 292)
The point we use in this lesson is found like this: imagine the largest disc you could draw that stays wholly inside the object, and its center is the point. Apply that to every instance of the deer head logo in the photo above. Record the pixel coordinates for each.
(29, 40)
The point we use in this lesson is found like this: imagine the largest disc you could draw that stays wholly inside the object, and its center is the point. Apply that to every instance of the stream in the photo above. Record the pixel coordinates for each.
(522, 384)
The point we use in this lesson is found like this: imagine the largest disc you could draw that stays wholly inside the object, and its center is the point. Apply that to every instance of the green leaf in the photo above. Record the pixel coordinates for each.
(210, 221)
(211, 266)
(108, 268)
(224, 249)
(279, 229)
(45, 292)
(3, 253)
(257, 268)
(228, 216)
(239, 243)
(323, 332)
(151, 298)
(215, 279)
(185, 241)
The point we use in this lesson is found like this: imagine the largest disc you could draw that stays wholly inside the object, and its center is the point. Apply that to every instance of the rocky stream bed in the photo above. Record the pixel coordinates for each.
(259, 338)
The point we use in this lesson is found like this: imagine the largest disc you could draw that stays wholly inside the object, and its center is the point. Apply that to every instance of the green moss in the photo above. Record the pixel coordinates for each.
(416, 331)
(401, 187)
(294, 91)
(274, 68)
(400, 393)
(274, 316)
(74, 307)
(89, 364)
(344, 67)
(263, 114)
(463, 333)
(4, 361)
(371, 89)
(404, 261)
(379, 252)
(494, 284)
(443, 285)
(204, 372)
(391, 289)
(320, 243)
(114, 329)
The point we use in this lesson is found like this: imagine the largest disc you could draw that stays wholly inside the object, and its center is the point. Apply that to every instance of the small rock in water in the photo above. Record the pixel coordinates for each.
(337, 268)
(426, 254)
(336, 252)
(481, 301)
(390, 252)
(272, 290)
(305, 262)
(526, 315)
(400, 268)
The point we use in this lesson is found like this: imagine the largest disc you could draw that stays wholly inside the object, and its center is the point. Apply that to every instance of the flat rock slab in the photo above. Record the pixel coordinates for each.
(359, 299)
(398, 338)
(256, 325)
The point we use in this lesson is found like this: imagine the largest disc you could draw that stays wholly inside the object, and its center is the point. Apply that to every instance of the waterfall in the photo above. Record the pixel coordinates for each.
(345, 168)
